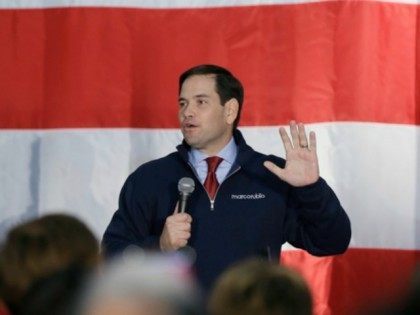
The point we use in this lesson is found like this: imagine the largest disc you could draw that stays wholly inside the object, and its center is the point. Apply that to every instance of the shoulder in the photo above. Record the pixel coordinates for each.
(155, 176)
(247, 156)
(255, 159)
(252, 167)
(159, 170)
(165, 164)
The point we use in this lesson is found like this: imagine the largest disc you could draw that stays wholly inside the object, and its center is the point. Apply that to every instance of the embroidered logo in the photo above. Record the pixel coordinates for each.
(252, 196)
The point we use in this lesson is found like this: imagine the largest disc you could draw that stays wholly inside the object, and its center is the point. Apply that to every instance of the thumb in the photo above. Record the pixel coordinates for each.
(176, 208)
(273, 168)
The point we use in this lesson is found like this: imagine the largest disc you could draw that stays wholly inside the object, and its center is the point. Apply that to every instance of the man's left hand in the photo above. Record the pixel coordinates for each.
(301, 167)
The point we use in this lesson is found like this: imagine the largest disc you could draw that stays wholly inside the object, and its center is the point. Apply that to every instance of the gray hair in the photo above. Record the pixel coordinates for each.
(140, 277)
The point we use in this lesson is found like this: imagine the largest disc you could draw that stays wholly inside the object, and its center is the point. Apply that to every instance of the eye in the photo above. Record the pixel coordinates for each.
(182, 103)
(202, 101)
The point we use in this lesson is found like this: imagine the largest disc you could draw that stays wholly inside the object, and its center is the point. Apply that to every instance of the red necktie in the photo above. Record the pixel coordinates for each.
(211, 184)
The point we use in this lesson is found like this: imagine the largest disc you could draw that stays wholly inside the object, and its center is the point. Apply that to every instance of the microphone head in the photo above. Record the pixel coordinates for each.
(186, 185)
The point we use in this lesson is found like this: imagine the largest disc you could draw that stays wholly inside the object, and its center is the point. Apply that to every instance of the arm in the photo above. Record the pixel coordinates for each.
(315, 219)
(135, 222)
(131, 224)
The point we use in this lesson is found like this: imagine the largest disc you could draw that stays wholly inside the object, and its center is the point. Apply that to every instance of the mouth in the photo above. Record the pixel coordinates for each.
(189, 126)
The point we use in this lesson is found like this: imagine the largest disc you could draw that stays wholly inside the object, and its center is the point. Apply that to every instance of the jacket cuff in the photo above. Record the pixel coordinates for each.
(312, 194)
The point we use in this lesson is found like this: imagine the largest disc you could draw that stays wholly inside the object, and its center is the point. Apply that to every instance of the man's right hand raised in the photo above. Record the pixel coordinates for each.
(176, 232)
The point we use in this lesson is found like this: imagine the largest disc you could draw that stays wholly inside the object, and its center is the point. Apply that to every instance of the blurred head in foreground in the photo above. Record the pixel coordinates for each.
(139, 283)
(39, 248)
(260, 287)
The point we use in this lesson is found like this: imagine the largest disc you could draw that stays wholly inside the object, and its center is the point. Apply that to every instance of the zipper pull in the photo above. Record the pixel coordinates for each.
(211, 205)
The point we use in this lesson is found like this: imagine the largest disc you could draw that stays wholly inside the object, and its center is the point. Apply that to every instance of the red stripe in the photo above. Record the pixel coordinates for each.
(102, 67)
(358, 281)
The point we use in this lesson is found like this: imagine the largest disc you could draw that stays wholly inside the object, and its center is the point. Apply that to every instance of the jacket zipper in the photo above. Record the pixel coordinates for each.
(212, 200)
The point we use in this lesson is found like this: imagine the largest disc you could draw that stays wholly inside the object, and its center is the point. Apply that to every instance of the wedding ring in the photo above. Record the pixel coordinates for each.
(304, 146)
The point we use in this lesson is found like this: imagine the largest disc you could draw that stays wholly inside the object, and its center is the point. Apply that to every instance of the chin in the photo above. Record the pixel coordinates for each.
(193, 144)
(189, 141)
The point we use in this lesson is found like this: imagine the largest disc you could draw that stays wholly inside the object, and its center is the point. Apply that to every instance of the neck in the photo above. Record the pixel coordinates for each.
(212, 151)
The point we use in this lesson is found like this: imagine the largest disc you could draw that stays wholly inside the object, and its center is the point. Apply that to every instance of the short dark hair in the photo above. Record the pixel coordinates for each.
(260, 287)
(227, 86)
(40, 247)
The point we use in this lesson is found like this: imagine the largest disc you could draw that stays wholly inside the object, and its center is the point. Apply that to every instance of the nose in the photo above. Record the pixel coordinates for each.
(187, 111)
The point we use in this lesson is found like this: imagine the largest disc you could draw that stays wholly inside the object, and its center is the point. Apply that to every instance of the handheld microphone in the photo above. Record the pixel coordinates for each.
(186, 186)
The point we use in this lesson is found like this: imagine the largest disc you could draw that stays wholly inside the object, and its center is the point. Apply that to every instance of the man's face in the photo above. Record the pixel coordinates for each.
(205, 123)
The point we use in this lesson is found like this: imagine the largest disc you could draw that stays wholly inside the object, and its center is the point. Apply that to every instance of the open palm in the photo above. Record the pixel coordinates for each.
(301, 167)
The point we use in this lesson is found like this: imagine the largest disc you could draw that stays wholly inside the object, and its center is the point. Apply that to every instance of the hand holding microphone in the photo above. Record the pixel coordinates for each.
(177, 228)
(186, 186)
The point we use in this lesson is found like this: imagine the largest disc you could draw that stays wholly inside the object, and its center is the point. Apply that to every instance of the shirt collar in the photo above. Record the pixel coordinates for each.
(228, 153)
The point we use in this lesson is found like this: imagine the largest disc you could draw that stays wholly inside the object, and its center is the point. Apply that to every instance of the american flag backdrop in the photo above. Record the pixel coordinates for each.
(88, 91)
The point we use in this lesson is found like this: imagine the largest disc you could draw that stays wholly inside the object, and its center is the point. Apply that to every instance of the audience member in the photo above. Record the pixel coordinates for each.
(407, 304)
(55, 294)
(260, 287)
(138, 283)
(3, 308)
(39, 248)
(411, 303)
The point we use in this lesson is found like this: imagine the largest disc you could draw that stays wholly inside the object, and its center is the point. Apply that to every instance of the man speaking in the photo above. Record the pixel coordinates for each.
(242, 203)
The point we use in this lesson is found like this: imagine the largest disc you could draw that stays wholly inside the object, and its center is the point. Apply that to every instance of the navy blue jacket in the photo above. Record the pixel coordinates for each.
(254, 212)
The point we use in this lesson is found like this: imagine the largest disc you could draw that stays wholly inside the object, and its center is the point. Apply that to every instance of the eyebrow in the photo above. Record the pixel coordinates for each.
(195, 96)
(201, 95)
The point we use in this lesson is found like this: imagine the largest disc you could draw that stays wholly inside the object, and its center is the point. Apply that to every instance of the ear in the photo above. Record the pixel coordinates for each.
(231, 110)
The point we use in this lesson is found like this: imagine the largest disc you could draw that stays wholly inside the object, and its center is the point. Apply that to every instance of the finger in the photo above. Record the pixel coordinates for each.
(182, 218)
(184, 235)
(294, 133)
(181, 243)
(175, 224)
(273, 168)
(303, 141)
(285, 138)
(178, 226)
(184, 227)
(188, 218)
(312, 141)
(181, 239)
(176, 208)
(176, 235)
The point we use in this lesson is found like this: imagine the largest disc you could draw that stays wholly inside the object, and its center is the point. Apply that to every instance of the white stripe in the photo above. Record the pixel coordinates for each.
(373, 168)
(161, 4)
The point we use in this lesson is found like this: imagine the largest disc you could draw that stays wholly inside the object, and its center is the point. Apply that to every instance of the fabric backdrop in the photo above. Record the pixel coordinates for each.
(88, 91)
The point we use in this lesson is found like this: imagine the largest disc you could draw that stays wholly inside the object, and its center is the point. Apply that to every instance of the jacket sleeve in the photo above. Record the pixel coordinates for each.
(132, 223)
(315, 220)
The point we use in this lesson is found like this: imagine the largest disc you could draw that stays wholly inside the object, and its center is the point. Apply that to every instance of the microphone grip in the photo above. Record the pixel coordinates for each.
(182, 202)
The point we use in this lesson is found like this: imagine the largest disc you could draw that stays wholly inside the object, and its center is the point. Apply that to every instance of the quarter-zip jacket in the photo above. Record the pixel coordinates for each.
(253, 212)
